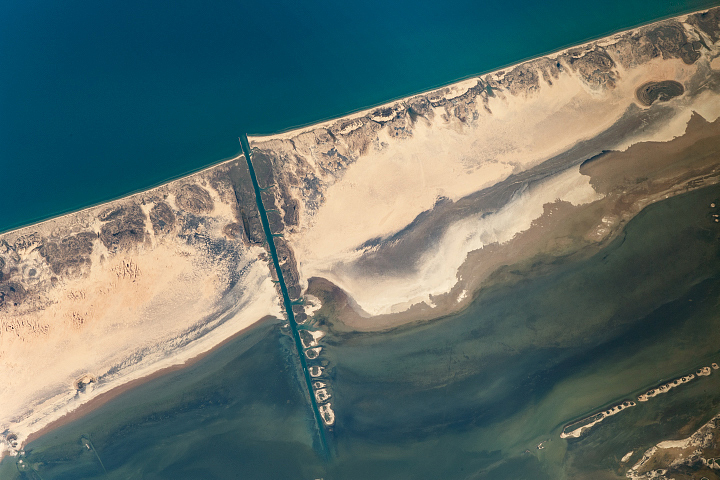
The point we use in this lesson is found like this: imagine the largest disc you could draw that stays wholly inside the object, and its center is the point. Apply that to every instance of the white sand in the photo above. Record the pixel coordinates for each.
(316, 371)
(312, 353)
(601, 416)
(327, 414)
(134, 314)
(398, 178)
(312, 304)
(701, 439)
(665, 388)
(316, 336)
(436, 271)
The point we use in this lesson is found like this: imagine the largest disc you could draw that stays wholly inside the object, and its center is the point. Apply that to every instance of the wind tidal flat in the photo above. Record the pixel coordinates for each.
(523, 211)
(476, 392)
(469, 395)
(97, 299)
(411, 207)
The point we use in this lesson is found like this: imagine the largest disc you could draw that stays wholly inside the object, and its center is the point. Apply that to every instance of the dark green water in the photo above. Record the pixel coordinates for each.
(99, 99)
(461, 397)
(287, 302)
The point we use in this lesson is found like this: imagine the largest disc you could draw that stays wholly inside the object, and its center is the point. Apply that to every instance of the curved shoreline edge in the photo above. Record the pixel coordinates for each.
(100, 400)
(347, 114)
(580, 427)
(361, 111)
(100, 298)
(260, 137)
(53, 216)
(483, 146)
(231, 219)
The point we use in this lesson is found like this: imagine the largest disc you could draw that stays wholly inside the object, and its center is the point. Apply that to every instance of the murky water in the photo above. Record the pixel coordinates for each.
(467, 396)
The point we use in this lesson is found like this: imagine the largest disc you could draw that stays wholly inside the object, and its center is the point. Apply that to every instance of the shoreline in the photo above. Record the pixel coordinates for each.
(501, 70)
(57, 216)
(115, 392)
(130, 287)
(326, 121)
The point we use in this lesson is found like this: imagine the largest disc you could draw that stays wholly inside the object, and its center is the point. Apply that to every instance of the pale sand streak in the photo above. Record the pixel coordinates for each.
(387, 187)
(138, 310)
(437, 269)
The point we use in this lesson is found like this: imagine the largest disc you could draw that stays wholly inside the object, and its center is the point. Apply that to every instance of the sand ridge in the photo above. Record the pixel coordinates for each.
(352, 188)
(119, 291)
(147, 282)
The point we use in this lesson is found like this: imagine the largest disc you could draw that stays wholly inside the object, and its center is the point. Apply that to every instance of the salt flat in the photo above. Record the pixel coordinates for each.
(361, 195)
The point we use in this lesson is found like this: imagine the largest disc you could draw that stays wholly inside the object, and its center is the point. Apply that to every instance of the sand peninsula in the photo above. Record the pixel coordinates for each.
(401, 212)
(685, 458)
(97, 299)
(582, 426)
(396, 214)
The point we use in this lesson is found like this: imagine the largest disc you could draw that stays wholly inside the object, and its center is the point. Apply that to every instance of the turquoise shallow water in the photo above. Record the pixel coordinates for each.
(104, 100)
(468, 396)
(98, 99)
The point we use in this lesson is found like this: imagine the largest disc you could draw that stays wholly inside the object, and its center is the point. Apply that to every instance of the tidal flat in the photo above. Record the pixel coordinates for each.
(488, 385)
(463, 273)
(469, 395)
(238, 411)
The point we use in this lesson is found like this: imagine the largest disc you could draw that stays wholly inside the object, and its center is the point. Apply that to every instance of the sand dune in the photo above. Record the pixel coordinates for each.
(156, 282)
(392, 204)
(359, 185)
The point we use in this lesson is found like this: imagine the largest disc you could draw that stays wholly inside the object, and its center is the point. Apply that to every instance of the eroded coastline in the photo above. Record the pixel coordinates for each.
(435, 193)
(425, 220)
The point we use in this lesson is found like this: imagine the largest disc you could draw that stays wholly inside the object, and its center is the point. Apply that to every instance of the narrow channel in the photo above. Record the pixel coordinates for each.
(286, 298)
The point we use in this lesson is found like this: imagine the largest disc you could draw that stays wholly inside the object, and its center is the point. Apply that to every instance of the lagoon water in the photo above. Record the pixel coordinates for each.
(103, 100)
(99, 99)
(467, 396)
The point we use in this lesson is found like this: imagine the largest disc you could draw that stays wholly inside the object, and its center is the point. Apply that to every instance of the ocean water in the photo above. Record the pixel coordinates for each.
(99, 99)
(467, 396)
(102, 99)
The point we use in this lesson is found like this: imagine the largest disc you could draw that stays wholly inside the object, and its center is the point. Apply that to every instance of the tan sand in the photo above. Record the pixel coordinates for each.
(105, 397)
(697, 451)
(392, 172)
(128, 314)
(627, 181)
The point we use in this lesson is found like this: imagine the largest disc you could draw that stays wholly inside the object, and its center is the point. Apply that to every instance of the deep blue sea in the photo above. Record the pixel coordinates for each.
(99, 99)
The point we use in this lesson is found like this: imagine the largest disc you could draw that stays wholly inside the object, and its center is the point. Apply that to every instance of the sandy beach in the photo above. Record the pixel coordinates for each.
(419, 186)
(395, 214)
(106, 297)
(101, 399)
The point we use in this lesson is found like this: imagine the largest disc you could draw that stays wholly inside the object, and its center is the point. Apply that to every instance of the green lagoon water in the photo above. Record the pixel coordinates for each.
(467, 396)
(99, 99)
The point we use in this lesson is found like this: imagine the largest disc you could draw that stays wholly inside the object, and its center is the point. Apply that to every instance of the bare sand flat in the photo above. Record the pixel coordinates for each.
(109, 295)
(396, 214)
(395, 205)
(696, 454)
